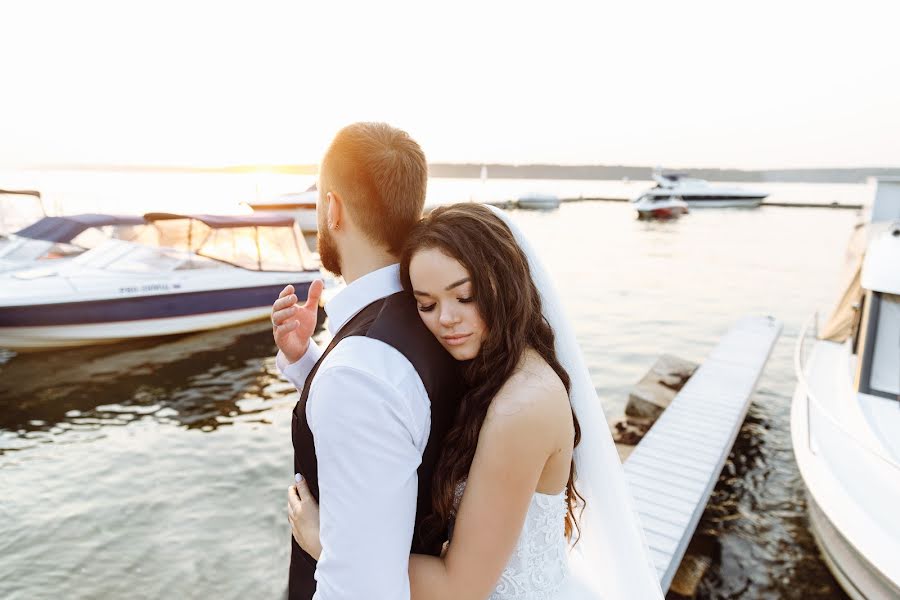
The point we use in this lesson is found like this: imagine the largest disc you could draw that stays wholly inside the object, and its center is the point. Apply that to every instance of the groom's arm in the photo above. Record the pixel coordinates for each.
(368, 446)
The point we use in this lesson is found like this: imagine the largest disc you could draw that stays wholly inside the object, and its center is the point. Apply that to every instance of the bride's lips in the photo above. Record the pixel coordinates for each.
(456, 339)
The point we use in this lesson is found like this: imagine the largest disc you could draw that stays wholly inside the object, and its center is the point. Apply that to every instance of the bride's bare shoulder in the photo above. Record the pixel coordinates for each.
(533, 391)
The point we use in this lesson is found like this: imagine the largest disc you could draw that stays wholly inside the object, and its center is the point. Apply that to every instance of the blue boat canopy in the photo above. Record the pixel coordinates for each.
(65, 229)
(229, 221)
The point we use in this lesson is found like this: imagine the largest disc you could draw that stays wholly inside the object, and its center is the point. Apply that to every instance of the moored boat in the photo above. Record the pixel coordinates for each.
(223, 270)
(845, 413)
(537, 201)
(660, 208)
(698, 193)
(300, 204)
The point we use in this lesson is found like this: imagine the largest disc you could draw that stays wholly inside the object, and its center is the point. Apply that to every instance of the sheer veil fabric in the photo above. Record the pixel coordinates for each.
(611, 560)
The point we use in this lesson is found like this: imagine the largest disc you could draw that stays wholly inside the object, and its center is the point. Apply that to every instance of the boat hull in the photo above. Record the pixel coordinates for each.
(710, 202)
(856, 575)
(538, 204)
(852, 536)
(37, 327)
(661, 213)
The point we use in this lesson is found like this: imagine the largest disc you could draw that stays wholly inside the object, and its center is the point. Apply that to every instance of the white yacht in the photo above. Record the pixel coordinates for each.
(845, 414)
(210, 271)
(698, 192)
(18, 209)
(62, 238)
(300, 204)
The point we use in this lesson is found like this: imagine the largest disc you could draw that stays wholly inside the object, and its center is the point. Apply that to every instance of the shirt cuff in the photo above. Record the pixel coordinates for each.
(297, 372)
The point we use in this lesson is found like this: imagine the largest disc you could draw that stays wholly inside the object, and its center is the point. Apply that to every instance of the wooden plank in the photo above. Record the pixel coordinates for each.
(673, 470)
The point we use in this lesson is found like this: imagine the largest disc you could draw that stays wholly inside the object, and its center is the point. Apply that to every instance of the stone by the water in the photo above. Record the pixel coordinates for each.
(656, 390)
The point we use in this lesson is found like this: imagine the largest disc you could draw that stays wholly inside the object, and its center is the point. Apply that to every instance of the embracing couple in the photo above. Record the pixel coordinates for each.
(448, 443)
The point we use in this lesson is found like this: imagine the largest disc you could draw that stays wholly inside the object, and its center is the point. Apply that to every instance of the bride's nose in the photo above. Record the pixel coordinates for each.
(449, 315)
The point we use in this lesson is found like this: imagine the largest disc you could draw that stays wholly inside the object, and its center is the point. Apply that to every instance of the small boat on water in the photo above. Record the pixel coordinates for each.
(300, 204)
(845, 413)
(698, 193)
(538, 201)
(18, 209)
(62, 238)
(662, 207)
(210, 271)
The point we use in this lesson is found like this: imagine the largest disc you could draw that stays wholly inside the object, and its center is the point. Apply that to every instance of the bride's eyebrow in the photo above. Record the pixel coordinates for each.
(446, 289)
(457, 283)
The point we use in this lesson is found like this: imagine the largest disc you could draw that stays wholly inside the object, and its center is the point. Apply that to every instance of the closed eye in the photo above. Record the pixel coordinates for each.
(465, 300)
(428, 308)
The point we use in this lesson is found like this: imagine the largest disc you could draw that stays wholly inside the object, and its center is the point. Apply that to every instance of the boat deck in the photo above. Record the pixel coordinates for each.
(674, 468)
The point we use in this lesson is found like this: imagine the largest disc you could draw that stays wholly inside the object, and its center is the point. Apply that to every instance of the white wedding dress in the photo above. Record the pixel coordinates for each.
(539, 566)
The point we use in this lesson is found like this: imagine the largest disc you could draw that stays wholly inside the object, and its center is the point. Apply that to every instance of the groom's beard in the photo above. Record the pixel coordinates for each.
(328, 252)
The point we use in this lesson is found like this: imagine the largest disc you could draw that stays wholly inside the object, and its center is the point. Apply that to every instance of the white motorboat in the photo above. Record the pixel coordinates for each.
(662, 207)
(224, 271)
(698, 192)
(300, 204)
(61, 238)
(538, 201)
(18, 209)
(845, 414)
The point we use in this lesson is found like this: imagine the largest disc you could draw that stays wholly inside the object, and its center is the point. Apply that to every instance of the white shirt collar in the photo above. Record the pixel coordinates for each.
(361, 293)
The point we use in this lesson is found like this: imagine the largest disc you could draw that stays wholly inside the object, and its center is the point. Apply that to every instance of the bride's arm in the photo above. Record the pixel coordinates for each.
(513, 447)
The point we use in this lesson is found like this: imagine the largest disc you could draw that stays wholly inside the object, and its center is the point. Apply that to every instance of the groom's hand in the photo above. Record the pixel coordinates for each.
(294, 324)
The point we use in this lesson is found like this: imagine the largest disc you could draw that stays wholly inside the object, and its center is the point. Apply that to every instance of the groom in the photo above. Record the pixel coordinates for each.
(375, 404)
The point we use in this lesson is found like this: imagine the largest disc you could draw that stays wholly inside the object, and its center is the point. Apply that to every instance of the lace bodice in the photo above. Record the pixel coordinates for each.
(538, 566)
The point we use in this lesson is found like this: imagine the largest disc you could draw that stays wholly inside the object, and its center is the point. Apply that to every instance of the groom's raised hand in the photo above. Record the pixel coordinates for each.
(293, 324)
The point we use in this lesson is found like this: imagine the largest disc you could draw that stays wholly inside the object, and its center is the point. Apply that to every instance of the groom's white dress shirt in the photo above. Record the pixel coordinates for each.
(370, 417)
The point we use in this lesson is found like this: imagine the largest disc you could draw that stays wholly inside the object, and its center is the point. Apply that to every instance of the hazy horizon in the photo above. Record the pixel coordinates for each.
(689, 85)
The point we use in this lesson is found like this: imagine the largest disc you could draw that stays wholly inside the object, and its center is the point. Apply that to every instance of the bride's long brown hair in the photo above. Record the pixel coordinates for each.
(510, 305)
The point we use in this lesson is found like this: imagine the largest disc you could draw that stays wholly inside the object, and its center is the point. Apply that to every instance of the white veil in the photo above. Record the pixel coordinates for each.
(611, 559)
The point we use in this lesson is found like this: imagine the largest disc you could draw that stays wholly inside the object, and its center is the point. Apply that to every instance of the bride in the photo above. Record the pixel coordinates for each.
(529, 489)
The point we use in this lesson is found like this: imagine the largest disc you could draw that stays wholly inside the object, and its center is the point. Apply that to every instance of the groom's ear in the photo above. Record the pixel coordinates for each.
(335, 212)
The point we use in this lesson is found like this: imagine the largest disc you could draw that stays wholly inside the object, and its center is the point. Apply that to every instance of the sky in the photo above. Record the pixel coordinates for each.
(763, 84)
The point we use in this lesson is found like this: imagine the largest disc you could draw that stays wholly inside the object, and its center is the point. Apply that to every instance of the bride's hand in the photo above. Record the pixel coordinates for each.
(303, 513)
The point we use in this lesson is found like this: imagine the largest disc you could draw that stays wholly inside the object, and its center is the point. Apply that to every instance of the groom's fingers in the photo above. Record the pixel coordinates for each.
(284, 302)
(315, 292)
(289, 326)
(280, 316)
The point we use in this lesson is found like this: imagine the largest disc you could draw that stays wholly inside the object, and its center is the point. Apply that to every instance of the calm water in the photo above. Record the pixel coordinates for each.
(159, 468)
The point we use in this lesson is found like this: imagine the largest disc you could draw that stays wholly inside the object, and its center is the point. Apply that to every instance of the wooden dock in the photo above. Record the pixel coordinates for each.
(674, 468)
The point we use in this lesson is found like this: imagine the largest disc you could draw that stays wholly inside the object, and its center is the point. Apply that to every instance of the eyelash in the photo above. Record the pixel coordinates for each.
(431, 307)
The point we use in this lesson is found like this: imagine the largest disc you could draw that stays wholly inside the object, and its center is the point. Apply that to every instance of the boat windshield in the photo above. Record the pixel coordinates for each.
(884, 358)
(18, 211)
(126, 257)
(16, 248)
(254, 247)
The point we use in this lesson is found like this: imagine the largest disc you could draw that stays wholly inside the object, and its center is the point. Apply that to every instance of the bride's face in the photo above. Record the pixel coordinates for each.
(443, 291)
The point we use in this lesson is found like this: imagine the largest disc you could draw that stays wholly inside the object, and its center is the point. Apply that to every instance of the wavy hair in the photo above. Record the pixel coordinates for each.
(510, 304)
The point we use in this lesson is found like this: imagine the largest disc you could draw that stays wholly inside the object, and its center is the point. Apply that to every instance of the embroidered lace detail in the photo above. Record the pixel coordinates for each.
(538, 566)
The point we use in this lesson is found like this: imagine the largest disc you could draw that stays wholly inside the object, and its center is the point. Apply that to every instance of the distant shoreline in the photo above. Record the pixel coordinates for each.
(532, 171)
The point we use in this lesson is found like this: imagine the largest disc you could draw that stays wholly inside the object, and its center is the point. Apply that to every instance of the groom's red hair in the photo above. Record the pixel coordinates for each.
(381, 174)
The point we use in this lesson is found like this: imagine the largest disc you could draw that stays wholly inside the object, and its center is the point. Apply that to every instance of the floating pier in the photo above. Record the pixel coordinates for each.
(763, 203)
(674, 468)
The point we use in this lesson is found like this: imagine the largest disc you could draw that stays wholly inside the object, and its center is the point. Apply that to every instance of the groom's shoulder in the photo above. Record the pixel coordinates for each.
(398, 325)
